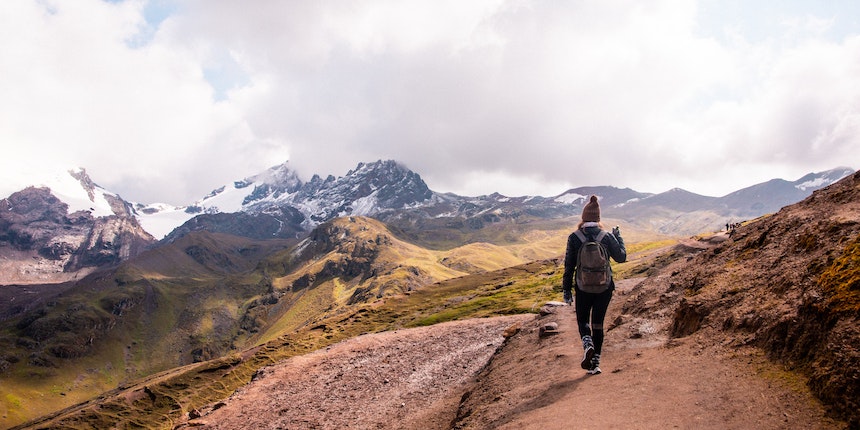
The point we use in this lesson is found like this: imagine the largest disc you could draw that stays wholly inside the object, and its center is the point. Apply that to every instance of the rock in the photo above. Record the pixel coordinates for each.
(548, 329)
(551, 308)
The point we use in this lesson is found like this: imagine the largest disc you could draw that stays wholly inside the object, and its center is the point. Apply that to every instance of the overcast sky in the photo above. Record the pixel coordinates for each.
(163, 100)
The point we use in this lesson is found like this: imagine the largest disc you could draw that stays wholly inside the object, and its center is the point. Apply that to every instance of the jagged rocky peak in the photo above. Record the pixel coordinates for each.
(31, 205)
(396, 185)
(273, 183)
(365, 190)
(281, 176)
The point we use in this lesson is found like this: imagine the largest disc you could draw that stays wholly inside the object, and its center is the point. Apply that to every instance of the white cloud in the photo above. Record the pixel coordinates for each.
(515, 96)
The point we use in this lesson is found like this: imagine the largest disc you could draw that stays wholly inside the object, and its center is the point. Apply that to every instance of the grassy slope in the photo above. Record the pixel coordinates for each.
(183, 303)
(116, 326)
(162, 399)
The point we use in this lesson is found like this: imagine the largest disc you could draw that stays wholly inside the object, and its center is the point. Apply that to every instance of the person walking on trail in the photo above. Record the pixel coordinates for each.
(587, 272)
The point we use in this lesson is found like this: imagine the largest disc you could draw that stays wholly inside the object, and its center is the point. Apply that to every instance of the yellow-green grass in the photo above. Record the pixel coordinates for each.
(841, 280)
(172, 393)
(304, 307)
(141, 342)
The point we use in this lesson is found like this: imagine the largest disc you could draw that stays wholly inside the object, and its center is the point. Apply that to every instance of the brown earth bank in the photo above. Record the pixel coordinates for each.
(501, 373)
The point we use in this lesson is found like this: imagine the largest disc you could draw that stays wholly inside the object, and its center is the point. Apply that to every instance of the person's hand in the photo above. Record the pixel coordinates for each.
(568, 296)
(616, 231)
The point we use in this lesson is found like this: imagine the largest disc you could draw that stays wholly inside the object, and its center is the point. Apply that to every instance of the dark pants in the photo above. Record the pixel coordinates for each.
(590, 312)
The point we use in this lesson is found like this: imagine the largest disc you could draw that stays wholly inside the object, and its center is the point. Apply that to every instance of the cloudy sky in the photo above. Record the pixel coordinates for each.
(165, 100)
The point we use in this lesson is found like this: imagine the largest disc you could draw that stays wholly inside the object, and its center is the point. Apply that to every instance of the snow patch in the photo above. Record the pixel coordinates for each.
(160, 224)
(70, 191)
(365, 205)
(633, 200)
(570, 198)
(814, 183)
(229, 200)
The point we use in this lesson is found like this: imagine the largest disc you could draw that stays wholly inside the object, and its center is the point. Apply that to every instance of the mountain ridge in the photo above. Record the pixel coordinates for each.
(356, 193)
(277, 204)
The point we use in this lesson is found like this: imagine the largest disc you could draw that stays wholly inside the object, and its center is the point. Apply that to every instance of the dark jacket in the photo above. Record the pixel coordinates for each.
(614, 244)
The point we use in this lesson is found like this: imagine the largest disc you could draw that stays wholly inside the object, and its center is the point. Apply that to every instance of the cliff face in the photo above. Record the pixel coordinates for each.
(41, 242)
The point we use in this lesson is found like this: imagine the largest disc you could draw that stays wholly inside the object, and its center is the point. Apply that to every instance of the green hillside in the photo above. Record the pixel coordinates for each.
(209, 295)
(163, 398)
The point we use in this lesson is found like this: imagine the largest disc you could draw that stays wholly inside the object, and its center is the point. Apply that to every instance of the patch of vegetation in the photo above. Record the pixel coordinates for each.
(841, 280)
(645, 265)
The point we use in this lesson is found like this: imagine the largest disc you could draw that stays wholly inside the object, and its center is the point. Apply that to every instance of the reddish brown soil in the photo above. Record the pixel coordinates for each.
(464, 375)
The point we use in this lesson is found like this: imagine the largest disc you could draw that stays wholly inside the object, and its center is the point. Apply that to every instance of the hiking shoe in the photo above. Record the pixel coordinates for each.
(594, 369)
(588, 348)
(589, 356)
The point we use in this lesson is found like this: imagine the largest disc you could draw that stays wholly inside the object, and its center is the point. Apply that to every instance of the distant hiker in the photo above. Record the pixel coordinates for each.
(587, 260)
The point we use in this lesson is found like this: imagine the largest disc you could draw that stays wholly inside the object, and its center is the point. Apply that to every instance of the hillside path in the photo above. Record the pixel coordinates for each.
(425, 378)
(647, 383)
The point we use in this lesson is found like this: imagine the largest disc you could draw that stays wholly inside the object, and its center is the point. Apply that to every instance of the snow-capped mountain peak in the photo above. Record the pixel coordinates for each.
(75, 188)
(365, 190)
(815, 181)
(280, 204)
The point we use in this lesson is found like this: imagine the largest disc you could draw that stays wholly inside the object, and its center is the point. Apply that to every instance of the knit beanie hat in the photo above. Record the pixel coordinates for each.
(591, 211)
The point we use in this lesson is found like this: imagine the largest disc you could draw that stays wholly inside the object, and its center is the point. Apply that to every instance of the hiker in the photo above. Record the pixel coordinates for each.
(592, 297)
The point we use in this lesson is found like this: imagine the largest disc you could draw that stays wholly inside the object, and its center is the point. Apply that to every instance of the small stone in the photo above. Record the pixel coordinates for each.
(548, 329)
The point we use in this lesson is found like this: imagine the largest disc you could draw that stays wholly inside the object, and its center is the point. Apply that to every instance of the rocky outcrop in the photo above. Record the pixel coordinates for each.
(40, 241)
(109, 241)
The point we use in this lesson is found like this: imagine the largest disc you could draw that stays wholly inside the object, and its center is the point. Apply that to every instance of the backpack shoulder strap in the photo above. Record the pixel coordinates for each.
(581, 236)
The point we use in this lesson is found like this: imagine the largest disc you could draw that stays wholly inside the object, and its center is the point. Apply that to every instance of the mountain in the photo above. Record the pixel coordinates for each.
(100, 229)
(279, 197)
(278, 204)
(779, 287)
(55, 234)
(770, 196)
(678, 212)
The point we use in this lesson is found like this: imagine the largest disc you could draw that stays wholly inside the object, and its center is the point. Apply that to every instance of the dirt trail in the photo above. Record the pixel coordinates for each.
(647, 383)
(426, 378)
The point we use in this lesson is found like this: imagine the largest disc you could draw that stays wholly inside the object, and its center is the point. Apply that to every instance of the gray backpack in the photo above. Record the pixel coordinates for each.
(593, 272)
